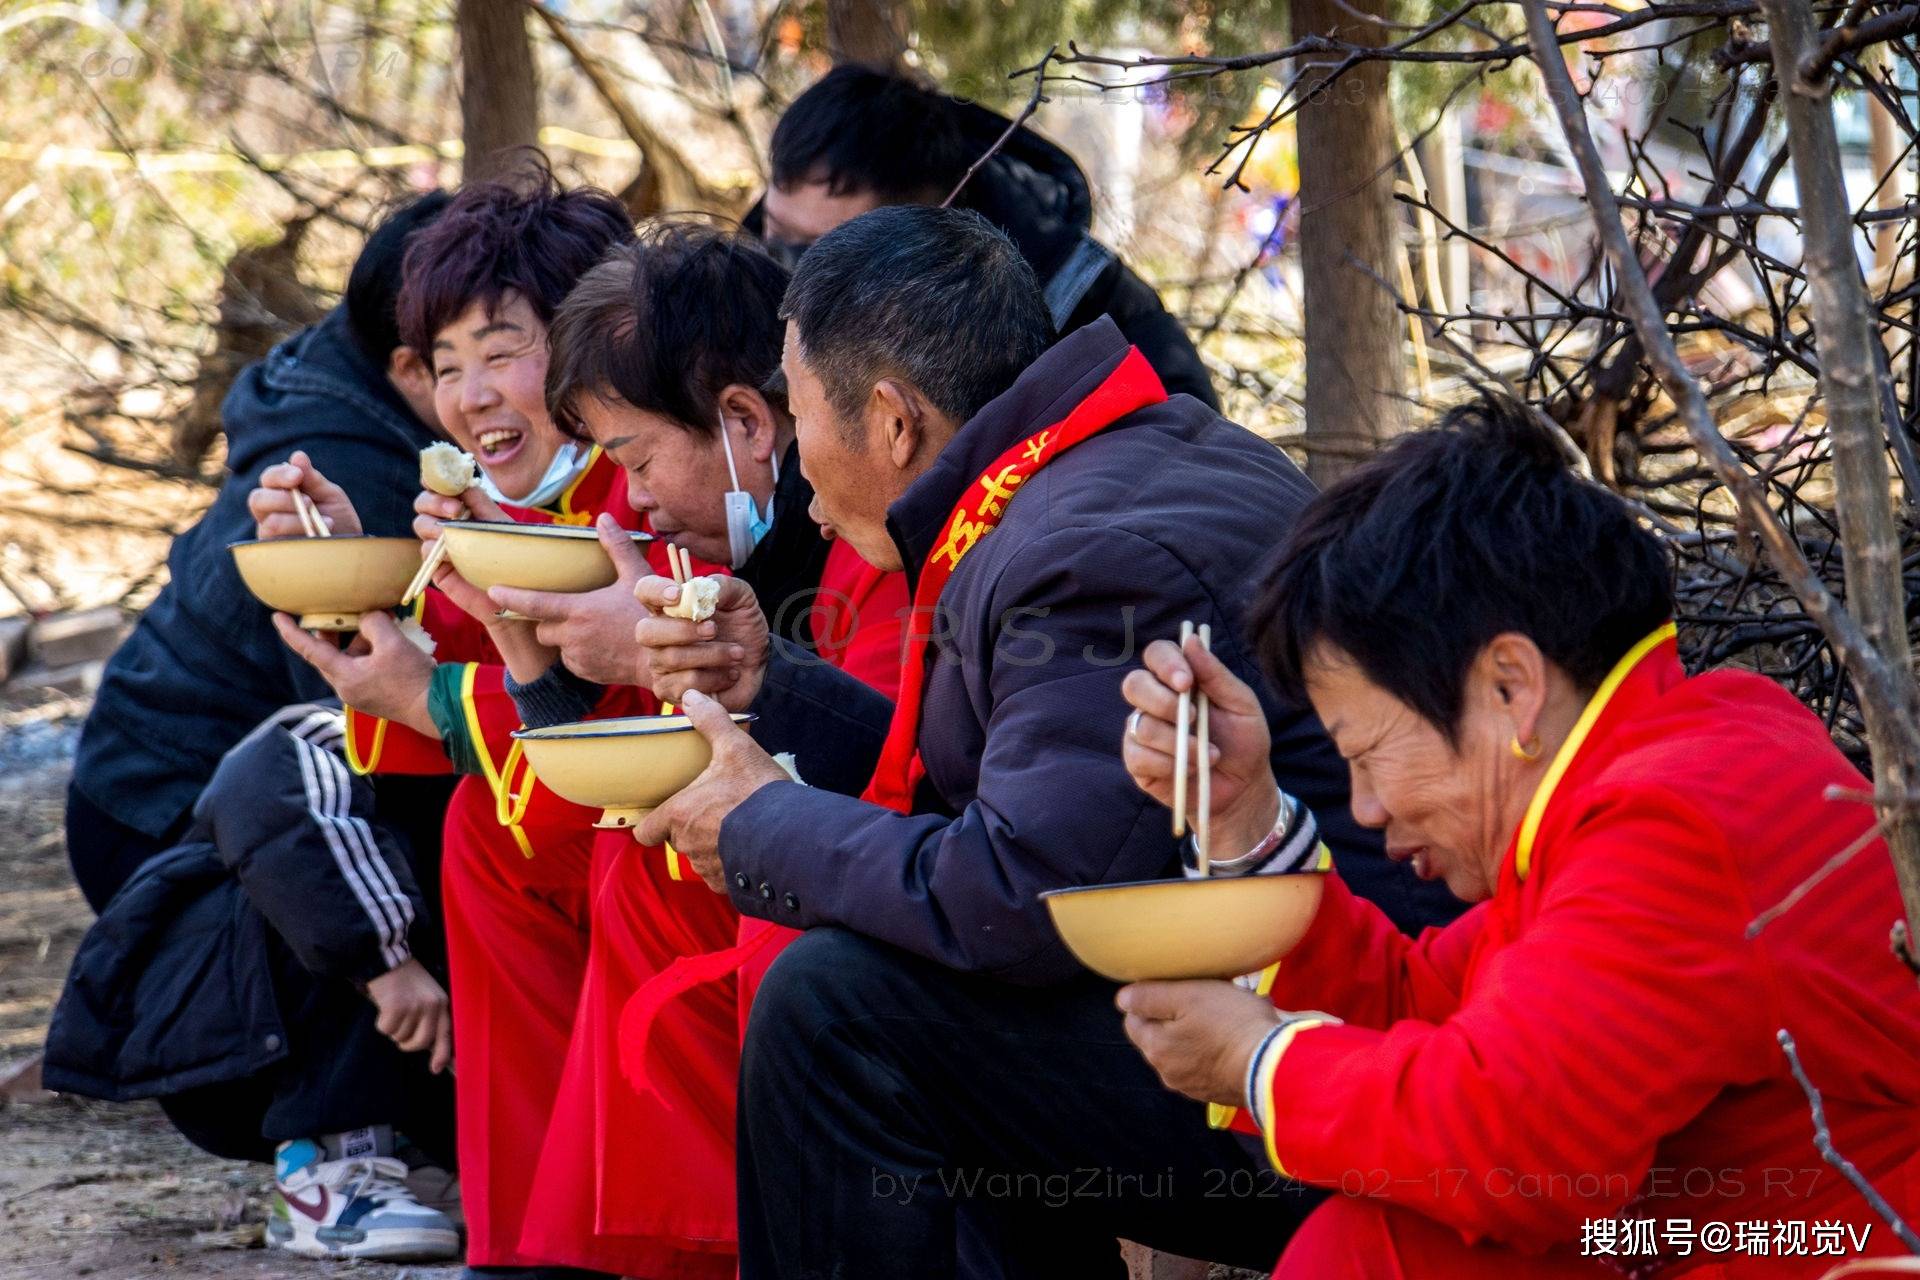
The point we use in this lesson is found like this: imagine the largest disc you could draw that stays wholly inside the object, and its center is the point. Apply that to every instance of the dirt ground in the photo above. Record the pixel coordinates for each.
(109, 1190)
(91, 1188)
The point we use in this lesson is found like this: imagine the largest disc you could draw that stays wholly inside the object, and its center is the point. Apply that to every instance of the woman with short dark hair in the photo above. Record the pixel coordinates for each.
(1592, 1051)
(662, 356)
(479, 291)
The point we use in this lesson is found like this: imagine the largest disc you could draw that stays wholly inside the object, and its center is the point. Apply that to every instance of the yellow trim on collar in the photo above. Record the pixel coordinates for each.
(567, 514)
(1563, 758)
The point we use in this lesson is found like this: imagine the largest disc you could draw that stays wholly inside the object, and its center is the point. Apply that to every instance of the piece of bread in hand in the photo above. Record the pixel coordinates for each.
(698, 596)
(446, 469)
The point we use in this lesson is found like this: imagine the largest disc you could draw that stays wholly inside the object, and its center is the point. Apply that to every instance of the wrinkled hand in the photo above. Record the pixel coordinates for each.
(1200, 1036)
(381, 673)
(414, 1012)
(526, 658)
(724, 657)
(1245, 799)
(593, 631)
(272, 508)
(691, 819)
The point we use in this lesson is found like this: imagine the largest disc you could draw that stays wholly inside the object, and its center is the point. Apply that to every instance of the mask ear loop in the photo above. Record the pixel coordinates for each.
(726, 442)
(733, 475)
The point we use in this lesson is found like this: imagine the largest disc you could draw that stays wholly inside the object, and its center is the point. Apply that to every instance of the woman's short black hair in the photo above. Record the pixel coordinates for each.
(668, 322)
(526, 235)
(861, 130)
(1416, 559)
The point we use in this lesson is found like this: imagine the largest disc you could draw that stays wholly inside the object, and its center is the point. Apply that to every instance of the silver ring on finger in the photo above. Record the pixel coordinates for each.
(1133, 725)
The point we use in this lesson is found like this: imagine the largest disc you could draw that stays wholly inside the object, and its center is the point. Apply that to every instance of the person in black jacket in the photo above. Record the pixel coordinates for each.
(861, 138)
(928, 1073)
(276, 981)
(204, 666)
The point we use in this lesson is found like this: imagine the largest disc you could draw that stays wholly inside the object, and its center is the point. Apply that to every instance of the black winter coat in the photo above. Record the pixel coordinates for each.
(172, 988)
(204, 665)
(1167, 514)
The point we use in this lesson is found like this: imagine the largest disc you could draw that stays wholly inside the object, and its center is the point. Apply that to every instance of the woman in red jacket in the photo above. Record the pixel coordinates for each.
(567, 1162)
(477, 301)
(1586, 1073)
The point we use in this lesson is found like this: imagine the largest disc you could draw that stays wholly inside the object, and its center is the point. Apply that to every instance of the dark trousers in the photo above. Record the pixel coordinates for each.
(104, 852)
(900, 1119)
(338, 1073)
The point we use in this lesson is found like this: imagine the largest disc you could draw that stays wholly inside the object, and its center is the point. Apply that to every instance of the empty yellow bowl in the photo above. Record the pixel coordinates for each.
(1168, 929)
(328, 582)
(625, 767)
(536, 557)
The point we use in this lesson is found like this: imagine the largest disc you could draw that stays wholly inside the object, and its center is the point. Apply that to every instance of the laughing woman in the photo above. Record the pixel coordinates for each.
(1489, 640)
(477, 300)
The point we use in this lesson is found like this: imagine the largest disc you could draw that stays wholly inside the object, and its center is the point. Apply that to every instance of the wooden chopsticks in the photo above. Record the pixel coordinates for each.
(312, 523)
(435, 555)
(1195, 716)
(681, 562)
(1183, 717)
(1203, 825)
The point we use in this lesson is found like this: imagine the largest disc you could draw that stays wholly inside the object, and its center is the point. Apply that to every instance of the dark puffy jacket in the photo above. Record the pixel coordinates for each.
(172, 987)
(1167, 514)
(1036, 193)
(204, 665)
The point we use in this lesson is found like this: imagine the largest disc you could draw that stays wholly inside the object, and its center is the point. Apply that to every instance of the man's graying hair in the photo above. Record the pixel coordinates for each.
(935, 297)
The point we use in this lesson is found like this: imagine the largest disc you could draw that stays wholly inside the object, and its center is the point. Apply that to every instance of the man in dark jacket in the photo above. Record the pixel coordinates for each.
(860, 138)
(928, 1073)
(204, 666)
(267, 979)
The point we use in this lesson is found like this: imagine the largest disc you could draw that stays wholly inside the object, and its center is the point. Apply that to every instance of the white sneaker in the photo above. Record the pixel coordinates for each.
(353, 1205)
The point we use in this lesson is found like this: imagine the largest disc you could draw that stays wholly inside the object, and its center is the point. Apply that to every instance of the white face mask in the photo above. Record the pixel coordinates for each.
(569, 460)
(745, 525)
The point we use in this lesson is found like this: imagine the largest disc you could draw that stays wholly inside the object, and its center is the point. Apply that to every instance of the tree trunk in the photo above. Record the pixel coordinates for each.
(1348, 227)
(499, 93)
(261, 302)
(1849, 383)
(1446, 173)
(872, 33)
(667, 182)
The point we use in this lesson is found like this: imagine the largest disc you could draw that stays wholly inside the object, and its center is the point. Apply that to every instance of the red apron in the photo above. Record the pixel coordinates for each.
(516, 897)
(636, 1173)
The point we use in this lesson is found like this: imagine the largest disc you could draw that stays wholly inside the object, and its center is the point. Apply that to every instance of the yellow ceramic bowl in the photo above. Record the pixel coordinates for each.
(623, 767)
(328, 582)
(1166, 929)
(537, 557)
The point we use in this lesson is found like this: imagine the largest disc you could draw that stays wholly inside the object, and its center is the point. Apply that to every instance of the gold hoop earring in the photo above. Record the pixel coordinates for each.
(1528, 753)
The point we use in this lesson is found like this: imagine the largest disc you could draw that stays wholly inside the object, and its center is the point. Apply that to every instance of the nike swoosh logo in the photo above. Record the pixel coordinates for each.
(317, 1210)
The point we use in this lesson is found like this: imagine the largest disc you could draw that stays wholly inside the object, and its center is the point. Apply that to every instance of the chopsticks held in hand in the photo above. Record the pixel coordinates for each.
(436, 556)
(1203, 823)
(681, 562)
(312, 523)
(431, 564)
(1187, 715)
